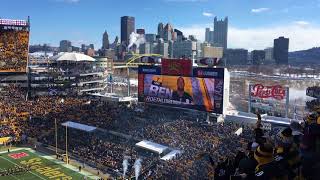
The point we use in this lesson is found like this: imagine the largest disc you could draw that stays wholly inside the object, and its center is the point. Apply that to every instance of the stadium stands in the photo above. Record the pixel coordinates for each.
(209, 150)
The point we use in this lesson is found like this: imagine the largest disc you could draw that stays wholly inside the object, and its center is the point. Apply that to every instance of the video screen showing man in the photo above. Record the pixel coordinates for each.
(180, 94)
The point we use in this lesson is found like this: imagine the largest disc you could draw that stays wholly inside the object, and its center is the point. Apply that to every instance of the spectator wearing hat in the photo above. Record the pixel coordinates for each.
(286, 153)
(267, 168)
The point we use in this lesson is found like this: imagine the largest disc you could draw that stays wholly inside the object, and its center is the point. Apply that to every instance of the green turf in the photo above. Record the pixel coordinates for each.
(41, 168)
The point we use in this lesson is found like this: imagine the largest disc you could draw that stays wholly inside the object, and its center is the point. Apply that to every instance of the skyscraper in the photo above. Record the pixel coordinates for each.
(209, 35)
(269, 55)
(160, 30)
(91, 46)
(105, 41)
(150, 37)
(281, 50)
(220, 34)
(236, 57)
(168, 32)
(65, 46)
(258, 57)
(127, 27)
(206, 38)
(179, 34)
(141, 31)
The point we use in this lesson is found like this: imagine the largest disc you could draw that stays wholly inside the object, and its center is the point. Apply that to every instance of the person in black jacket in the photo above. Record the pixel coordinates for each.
(247, 165)
(180, 94)
(286, 153)
(267, 168)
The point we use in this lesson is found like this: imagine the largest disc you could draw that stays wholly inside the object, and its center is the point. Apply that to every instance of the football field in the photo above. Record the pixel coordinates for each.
(26, 164)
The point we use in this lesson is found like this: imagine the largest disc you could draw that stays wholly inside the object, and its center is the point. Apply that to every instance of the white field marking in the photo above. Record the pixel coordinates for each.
(11, 175)
(18, 165)
(12, 150)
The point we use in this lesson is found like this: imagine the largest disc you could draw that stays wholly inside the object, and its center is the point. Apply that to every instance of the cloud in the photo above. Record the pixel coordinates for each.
(300, 37)
(259, 10)
(207, 14)
(301, 23)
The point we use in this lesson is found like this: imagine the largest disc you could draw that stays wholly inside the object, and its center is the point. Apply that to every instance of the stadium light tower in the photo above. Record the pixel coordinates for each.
(67, 158)
(56, 135)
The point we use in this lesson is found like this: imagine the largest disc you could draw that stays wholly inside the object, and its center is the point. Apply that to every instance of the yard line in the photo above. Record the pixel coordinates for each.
(19, 165)
(11, 175)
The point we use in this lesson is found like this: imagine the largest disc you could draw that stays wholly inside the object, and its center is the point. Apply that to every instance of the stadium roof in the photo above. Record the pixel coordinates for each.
(151, 146)
(72, 56)
(79, 126)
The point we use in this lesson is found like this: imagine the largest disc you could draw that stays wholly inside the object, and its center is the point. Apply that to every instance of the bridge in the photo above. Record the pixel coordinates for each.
(134, 61)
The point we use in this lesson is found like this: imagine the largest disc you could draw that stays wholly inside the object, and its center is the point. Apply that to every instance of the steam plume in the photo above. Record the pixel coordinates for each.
(137, 168)
(136, 39)
(125, 167)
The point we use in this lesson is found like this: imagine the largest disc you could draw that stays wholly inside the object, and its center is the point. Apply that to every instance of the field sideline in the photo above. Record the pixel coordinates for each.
(34, 165)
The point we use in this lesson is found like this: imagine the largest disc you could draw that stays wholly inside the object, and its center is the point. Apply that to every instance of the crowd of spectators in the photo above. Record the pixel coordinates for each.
(313, 91)
(14, 50)
(209, 150)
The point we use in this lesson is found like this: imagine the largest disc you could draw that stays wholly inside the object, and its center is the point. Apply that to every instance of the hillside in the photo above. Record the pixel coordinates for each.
(309, 56)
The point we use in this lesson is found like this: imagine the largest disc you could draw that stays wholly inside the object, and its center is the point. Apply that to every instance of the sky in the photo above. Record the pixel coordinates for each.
(253, 24)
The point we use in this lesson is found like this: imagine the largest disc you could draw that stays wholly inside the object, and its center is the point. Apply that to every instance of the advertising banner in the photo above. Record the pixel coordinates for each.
(272, 100)
(176, 67)
(208, 72)
(276, 92)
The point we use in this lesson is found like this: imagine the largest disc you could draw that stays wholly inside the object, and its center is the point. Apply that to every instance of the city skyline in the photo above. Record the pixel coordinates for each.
(257, 23)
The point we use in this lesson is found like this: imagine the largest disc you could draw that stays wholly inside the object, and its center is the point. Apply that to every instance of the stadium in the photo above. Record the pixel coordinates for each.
(149, 119)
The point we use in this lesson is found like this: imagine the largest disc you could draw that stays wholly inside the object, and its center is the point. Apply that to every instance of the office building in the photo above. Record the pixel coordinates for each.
(236, 57)
(160, 30)
(220, 33)
(115, 43)
(179, 35)
(145, 48)
(170, 49)
(269, 55)
(258, 57)
(105, 41)
(281, 50)
(127, 27)
(209, 35)
(141, 31)
(184, 49)
(212, 52)
(65, 46)
(168, 32)
(75, 49)
(163, 49)
(83, 48)
(91, 46)
(150, 37)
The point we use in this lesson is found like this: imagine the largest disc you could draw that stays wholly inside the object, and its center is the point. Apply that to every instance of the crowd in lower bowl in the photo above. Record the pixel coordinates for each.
(208, 150)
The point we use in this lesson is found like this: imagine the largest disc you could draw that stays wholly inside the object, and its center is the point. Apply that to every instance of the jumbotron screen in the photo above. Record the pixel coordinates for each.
(199, 93)
(13, 50)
